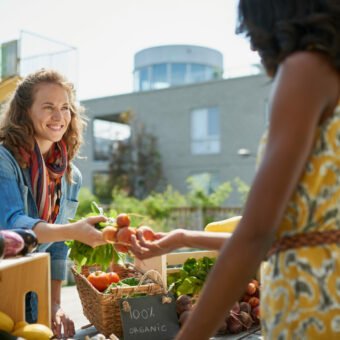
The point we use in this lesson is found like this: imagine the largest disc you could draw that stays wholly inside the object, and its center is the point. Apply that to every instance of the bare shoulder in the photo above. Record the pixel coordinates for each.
(311, 73)
(310, 63)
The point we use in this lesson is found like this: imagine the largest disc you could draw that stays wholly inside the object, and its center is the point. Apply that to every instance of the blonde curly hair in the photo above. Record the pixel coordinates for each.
(16, 127)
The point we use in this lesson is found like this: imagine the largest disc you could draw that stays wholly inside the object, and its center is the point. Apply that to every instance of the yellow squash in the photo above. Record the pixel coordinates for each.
(224, 226)
(34, 331)
(19, 324)
(6, 322)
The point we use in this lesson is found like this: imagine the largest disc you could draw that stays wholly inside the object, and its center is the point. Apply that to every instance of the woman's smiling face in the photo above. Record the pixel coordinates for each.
(50, 114)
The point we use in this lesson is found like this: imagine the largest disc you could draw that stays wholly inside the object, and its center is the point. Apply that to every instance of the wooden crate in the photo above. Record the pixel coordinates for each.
(21, 275)
(165, 264)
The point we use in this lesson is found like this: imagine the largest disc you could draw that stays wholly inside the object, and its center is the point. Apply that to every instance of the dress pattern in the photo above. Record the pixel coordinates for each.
(300, 298)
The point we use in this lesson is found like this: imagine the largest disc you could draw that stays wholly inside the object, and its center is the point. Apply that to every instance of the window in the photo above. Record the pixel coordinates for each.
(105, 134)
(178, 74)
(159, 77)
(144, 81)
(205, 131)
(198, 73)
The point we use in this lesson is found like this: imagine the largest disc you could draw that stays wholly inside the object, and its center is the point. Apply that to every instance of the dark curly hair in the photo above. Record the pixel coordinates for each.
(277, 28)
(16, 127)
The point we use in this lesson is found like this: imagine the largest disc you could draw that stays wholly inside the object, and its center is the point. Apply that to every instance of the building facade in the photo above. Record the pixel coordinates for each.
(209, 127)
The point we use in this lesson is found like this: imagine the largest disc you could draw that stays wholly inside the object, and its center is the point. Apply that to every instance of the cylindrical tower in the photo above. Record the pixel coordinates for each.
(172, 65)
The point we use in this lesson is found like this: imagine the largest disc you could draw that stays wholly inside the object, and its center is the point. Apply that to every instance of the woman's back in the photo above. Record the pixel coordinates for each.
(300, 286)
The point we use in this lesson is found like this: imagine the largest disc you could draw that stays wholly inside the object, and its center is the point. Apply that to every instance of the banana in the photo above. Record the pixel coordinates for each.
(19, 324)
(34, 331)
(6, 322)
(224, 226)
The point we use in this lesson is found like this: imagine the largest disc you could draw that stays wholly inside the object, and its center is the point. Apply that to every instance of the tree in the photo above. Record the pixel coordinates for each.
(136, 165)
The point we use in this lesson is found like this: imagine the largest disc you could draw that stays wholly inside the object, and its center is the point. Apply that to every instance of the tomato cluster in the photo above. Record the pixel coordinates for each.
(101, 280)
(120, 235)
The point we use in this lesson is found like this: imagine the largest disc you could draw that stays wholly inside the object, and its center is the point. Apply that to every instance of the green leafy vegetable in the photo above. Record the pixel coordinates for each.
(82, 254)
(190, 279)
(128, 282)
(131, 281)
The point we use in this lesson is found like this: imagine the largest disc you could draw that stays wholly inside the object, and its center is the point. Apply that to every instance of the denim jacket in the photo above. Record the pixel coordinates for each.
(18, 208)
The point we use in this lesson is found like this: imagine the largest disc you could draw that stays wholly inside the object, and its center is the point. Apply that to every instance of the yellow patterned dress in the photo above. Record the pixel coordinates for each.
(301, 287)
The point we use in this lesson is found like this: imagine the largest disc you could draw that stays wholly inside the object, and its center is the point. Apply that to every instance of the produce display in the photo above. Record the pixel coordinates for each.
(104, 282)
(116, 231)
(187, 284)
(22, 329)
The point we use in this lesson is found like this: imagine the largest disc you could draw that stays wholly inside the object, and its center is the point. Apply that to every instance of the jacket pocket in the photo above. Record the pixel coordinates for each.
(67, 211)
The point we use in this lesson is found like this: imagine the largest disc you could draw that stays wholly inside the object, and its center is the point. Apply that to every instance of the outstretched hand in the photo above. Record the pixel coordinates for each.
(163, 244)
(85, 231)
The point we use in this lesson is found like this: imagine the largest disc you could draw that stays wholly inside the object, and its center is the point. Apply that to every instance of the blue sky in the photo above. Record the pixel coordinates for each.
(107, 33)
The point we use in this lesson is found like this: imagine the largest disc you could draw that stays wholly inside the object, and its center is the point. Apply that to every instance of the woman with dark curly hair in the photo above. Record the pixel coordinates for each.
(292, 212)
(40, 134)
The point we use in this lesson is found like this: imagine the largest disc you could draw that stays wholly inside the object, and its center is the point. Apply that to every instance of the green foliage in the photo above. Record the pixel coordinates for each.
(85, 202)
(190, 279)
(199, 195)
(152, 211)
(155, 209)
(159, 205)
(242, 188)
(102, 187)
(137, 211)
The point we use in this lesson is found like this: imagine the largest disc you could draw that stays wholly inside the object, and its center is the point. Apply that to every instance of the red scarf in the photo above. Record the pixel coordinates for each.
(46, 177)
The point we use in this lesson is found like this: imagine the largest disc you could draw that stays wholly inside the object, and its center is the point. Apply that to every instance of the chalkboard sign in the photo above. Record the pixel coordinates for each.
(150, 317)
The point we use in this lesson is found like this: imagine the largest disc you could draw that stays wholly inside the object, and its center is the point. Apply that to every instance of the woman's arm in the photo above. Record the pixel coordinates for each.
(305, 89)
(82, 230)
(167, 242)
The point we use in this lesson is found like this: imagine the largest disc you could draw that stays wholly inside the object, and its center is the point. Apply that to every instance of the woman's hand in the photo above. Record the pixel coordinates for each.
(62, 325)
(163, 244)
(84, 231)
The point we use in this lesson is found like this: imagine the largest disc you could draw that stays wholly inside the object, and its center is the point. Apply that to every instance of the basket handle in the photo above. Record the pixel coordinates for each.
(157, 279)
(165, 299)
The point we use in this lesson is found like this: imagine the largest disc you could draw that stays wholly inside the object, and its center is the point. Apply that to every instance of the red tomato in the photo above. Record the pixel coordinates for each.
(99, 280)
(147, 233)
(109, 234)
(113, 277)
(123, 220)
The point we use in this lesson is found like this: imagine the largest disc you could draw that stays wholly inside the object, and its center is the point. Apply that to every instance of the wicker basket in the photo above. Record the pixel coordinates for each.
(102, 310)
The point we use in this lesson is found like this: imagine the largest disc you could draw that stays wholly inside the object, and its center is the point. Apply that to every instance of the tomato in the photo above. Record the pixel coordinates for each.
(99, 280)
(147, 233)
(123, 220)
(124, 239)
(113, 277)
(109, 234)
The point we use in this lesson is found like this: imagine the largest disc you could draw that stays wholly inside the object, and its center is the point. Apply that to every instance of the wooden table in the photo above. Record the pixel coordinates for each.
(21, 275)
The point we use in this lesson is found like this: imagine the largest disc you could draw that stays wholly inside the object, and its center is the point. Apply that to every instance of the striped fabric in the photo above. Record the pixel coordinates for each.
(46, 178)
